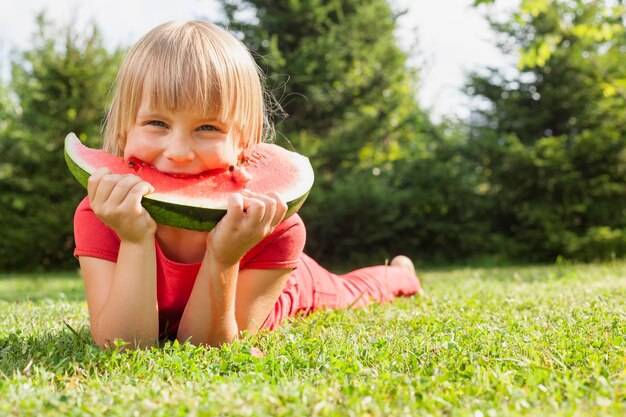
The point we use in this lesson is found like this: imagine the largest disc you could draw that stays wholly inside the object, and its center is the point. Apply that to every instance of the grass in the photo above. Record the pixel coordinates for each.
(536, 341)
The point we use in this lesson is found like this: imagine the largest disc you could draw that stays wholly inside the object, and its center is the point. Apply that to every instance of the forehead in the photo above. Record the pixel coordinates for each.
(158, 95)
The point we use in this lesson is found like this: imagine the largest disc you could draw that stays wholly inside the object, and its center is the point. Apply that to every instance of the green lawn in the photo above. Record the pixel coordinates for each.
(541, 341)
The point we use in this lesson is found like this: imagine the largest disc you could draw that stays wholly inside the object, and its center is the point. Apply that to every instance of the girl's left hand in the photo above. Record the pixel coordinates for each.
(249, 218)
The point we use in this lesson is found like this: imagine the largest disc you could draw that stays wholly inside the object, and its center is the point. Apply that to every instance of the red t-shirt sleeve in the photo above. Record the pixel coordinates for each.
(92, 237)
(281, 249)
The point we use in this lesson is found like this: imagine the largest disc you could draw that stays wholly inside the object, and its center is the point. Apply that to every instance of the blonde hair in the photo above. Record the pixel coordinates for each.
(194, 66)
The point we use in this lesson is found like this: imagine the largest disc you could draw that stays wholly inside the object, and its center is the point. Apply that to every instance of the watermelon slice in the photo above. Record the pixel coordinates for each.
(198, 202)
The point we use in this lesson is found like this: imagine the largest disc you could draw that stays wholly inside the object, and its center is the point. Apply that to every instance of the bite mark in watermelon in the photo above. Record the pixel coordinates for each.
(198, 202)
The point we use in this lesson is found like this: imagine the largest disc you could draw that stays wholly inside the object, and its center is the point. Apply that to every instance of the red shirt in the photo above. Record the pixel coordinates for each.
(279, 250)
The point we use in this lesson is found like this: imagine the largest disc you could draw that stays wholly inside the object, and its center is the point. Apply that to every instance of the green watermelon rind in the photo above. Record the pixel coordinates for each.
(197, 218)
(177, 215)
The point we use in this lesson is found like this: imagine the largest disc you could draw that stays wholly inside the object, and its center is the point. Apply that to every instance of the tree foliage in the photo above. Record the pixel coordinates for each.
(538, 172)
(340, 76)
(552, 142)
(58, 86)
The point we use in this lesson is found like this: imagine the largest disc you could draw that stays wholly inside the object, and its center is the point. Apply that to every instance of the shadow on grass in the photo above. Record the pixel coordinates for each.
(63, 355)
(58, 352)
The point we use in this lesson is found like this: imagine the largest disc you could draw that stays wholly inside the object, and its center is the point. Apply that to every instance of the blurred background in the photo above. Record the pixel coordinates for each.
(463, 131)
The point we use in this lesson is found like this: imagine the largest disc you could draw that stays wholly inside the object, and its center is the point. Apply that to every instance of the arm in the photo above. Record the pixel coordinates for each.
(213, 314)
(122, 296)
(257, 293)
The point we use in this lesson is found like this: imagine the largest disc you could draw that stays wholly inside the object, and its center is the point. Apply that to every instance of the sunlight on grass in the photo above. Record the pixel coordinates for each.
(20, 287)
(528, 340)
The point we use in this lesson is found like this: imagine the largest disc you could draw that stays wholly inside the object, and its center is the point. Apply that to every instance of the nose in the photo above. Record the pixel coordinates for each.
(178, 148)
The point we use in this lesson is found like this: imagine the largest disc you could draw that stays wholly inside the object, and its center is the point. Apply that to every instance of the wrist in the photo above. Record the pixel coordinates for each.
(222, 281)
(137, 240)
(222, 276)
(220, 261)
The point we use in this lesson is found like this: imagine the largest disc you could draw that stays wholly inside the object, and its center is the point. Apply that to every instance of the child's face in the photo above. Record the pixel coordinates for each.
(180, 142)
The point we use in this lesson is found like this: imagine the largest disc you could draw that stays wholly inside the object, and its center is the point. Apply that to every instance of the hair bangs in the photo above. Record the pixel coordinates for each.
(184, 81)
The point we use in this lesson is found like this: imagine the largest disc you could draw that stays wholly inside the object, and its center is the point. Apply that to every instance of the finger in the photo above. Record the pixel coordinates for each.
(254, 209)
(277, 207)
(235, 209)
(269, 209)
(105, 186)
(122, 188)
(132, 200)
(281, 208)
(94, 181)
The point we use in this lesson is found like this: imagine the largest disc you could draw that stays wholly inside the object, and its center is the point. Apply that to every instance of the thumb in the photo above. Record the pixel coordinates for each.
(146, 189)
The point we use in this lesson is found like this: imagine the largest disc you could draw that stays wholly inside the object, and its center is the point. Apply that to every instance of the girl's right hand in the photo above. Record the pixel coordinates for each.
(116, 200)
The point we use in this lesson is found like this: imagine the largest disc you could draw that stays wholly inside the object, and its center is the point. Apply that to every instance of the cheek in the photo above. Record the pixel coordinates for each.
(217, 156)
(225, 153)
(236, 146)
(137, 147)
(234, 151)
(131, 149)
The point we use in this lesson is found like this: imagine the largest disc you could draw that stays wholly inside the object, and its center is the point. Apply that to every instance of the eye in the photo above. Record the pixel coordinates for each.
(156, 123)
(208, 128)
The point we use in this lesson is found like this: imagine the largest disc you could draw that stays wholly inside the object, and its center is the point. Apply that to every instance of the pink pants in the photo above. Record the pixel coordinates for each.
(311, 287)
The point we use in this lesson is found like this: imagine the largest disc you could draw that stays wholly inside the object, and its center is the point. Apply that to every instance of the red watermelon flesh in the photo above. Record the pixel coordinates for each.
(198, 201)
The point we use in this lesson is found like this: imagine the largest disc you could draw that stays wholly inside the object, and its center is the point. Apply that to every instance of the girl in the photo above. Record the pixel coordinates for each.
(188, 99)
